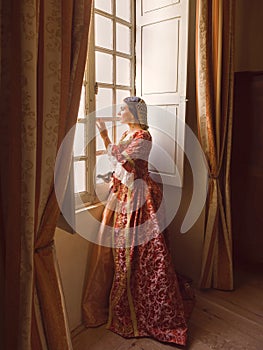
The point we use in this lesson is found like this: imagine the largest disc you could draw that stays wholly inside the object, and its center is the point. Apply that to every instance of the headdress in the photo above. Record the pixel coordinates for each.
(138, 108)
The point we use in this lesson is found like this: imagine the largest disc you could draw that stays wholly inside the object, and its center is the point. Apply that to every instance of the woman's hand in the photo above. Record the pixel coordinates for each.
(103, 132)
(102, 128)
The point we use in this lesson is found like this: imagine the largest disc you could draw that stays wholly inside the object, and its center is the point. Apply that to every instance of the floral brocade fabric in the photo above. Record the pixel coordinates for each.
(145, 298)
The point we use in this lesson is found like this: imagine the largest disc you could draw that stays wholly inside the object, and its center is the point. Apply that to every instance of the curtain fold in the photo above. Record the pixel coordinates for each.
(214, 86)
(43, 55)
(10, 161)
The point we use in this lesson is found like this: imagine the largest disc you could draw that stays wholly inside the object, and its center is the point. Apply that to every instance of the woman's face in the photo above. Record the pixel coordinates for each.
(125, 115)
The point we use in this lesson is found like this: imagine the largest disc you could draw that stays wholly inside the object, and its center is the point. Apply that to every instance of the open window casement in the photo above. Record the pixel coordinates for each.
(110, 78)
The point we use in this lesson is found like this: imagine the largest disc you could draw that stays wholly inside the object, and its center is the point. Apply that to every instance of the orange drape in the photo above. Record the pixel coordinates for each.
(43, 55)
(214, 86)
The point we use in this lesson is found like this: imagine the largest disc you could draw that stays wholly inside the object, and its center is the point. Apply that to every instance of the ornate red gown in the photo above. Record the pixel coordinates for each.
(145, 298)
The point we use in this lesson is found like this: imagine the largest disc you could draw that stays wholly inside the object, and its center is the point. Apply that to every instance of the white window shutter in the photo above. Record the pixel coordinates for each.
(161, 76)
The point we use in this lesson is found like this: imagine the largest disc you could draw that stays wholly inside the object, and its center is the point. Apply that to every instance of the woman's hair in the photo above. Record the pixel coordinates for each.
(138, 108)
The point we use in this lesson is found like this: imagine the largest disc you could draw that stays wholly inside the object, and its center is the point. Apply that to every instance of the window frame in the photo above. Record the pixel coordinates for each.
(92, 195)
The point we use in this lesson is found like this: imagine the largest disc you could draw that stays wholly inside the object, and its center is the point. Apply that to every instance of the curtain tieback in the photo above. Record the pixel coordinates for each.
(49, 245)
(213, 177)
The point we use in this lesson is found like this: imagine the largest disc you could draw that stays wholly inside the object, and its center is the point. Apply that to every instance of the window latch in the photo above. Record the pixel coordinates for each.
(96, 88)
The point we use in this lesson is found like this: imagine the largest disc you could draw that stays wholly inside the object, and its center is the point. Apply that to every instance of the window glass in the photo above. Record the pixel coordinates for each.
(104, 102)
(104, 70)
(123, 9)
(79, 140)
(103, 25)
(123, 71)
(80, 176)
(120, 95)
(103, 5)
(123, 38)
(81, 113)
(120, 128)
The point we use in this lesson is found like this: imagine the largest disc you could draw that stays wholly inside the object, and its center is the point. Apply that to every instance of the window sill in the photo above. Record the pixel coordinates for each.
(89, 206)
(84, 201)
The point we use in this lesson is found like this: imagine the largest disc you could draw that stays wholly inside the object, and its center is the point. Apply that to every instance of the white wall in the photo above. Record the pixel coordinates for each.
(73, 257)
(72, 252)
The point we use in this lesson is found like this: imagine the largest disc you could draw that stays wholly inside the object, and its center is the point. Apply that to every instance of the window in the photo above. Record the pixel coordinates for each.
(109, 77)
(160, 41)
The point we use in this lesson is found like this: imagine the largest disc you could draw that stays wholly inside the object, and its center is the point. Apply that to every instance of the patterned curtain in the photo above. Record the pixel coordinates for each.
(214, 84)
(43, 54)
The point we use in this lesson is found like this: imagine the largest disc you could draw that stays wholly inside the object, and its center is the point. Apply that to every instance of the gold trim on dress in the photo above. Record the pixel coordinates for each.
(128, 265)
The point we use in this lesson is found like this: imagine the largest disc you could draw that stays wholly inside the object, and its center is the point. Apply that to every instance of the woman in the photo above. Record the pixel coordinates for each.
(145, 298)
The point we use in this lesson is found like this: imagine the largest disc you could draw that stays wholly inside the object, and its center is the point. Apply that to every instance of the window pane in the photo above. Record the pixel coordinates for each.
(120, 128)
(104, 5)
(104, 102)
(121, 94)
(123, 9)
(123, 71)
(79, 176)
(103, 32)
(104, 67)
(123, 38)
(81, 113)
(79, 140)
(103, 166)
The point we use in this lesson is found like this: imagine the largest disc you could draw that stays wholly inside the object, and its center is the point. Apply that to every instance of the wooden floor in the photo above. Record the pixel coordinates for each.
(220, 320)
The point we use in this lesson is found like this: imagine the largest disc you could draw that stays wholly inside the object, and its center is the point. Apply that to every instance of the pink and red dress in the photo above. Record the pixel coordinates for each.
(145, 298)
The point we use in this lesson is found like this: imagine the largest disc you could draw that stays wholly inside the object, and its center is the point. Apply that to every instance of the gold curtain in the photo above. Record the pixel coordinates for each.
(214, 86)
(43, 54)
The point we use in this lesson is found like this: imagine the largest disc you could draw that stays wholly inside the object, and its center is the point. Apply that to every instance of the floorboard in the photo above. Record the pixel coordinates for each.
(220, 320)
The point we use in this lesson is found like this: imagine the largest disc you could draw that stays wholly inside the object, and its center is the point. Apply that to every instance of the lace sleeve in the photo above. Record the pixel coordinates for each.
(126, 177)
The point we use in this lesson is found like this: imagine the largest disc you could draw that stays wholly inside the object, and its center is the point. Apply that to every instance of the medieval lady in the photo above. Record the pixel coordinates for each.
(132, 284)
